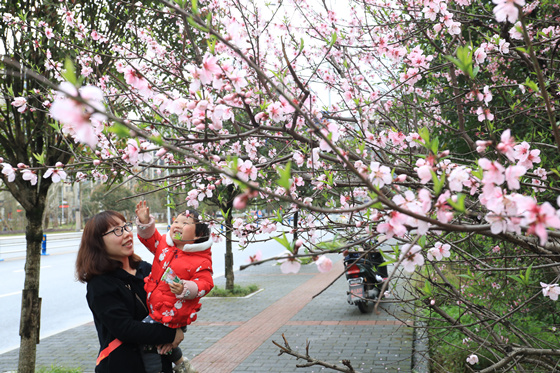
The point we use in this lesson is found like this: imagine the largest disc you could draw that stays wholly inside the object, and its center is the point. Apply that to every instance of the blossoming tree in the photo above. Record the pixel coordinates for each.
(430, 126)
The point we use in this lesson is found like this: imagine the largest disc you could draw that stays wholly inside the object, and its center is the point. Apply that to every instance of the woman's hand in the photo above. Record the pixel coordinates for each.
(176, 287)
(143, 212)
(179, 336)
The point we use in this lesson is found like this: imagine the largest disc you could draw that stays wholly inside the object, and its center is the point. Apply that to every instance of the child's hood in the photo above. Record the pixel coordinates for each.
(190, 248)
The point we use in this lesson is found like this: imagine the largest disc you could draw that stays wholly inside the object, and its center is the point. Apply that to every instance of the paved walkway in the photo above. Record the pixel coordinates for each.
(236, 334)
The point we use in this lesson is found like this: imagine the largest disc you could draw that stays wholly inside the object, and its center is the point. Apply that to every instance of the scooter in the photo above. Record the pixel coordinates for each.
(365, 277)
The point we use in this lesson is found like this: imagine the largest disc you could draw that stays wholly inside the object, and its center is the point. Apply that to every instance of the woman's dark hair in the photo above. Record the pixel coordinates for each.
(92, 257)
(202, 230)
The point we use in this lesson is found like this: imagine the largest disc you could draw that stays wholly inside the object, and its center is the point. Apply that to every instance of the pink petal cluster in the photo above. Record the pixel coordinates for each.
(9, 172)
(412, 257)
(439, 251)
(551, 290)
(380, 175)
(290, 264)
(20, 103)
(472, 359)
(507, 10)
(80, 120)
(324, 264)
(57, 174)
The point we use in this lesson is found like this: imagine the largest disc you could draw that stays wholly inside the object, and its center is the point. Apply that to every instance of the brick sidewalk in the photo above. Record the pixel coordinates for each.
(236, 334)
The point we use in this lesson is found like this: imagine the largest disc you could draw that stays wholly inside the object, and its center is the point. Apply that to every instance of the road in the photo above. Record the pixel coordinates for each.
(63, 298)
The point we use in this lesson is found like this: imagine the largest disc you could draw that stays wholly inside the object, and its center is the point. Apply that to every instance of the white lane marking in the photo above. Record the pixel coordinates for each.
(9, 294)
(21, 270)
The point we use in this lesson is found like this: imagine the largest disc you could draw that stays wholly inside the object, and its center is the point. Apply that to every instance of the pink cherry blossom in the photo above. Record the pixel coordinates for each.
(551, 290)
(9, 171)
(240, 201)
(79, 120)
(20, 103)
(487, 95)
(133, 77)
(247, 170)
(526, 156)
(30, 176)
(209, 68)
(538, 217)
(507, 145)
(393, 225)
(49, 33)
(290, 264)
(412, 257)
(480, 55)
(472, 359)
(457, 178)
(131, 152)
(55, 174)
(424, 173)
(481, 145)
(439, 251)
(324, 264)
(484, 114)
(255, 258)
(192, 198)
(380, 175)
(444, 212)
(493, 171)
(513, 173)
(507, 10)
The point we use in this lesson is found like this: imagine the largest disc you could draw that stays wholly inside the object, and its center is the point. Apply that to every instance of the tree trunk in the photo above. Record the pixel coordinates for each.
(229, 250)
(30, 302)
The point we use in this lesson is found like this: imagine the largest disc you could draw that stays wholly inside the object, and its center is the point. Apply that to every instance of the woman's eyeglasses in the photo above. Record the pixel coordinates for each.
(118, 231)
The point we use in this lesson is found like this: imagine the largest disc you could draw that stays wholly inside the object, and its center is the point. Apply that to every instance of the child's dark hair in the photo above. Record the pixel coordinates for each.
(202, 230)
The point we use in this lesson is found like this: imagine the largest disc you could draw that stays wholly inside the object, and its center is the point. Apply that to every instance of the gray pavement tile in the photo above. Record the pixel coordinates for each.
(370, 347)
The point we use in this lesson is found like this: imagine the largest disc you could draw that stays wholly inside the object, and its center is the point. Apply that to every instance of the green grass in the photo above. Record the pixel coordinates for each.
(238, 291)
(54, 369)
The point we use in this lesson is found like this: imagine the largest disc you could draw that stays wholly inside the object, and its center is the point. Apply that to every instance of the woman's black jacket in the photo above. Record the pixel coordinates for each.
(118, 303)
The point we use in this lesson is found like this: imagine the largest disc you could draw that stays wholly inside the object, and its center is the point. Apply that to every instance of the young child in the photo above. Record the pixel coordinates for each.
(181, 275)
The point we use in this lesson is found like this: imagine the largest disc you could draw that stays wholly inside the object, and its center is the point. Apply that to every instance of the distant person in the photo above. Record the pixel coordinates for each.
(181, 275)
(116, 296)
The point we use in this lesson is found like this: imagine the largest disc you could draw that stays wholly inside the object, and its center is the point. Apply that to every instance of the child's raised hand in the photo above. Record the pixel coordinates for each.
(176, 287)
(143, 212)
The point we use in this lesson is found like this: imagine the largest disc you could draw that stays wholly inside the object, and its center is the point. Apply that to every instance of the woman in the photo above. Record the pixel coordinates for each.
(116, 296)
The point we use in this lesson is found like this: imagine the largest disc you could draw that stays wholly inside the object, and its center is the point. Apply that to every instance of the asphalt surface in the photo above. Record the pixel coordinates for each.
(237, 334)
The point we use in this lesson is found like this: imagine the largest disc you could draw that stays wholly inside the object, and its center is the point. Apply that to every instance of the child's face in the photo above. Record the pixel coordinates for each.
(183, 230)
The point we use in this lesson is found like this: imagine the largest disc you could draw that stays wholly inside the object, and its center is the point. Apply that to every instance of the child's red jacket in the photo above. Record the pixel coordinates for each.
(192, 264)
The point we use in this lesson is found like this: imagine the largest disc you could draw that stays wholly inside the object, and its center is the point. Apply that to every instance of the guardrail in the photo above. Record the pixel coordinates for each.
(17, 244)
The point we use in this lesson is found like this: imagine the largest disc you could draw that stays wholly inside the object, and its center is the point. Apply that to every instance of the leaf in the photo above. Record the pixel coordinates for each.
(531, 85)
(460, 204)
(40, 157)
(209, 20)
(427, 289)
(438, 183)
(196, 25)
(475, 71)
(119, 129)
(284, 242)
(285, 181)
(157, 140)
(69, 72)
(424, 134)
(334, 36)
(211, 44)
(435, 146)
(464, 60)
(194, 6)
